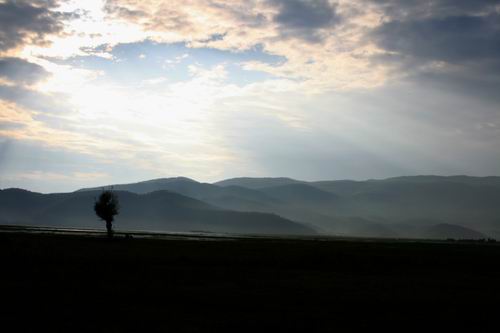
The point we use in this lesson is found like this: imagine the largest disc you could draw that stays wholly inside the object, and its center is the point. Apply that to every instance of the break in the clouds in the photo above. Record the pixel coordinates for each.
(120, 90)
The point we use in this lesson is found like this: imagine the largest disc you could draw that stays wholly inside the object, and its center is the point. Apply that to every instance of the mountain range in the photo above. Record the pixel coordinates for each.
(152, 211)
(402, 207)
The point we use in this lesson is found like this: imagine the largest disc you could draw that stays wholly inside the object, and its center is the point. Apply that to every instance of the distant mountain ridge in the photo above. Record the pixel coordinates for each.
(257, 183)
(154, 211)
(401, 206)
(145, 186)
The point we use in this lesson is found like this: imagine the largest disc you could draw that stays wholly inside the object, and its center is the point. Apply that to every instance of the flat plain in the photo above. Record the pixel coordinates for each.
(70, 283)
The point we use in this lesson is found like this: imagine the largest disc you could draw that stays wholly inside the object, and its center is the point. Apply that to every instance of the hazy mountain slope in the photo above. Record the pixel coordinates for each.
(399, 205)
(182, 184)
(230, 197)
(159, 211)
(342, 187)
(298, 193)
(443, 201)
(462, 179)
(188, 187)
(470, 201)
(446, 230)
(257, 183)
(19, 206)
(350, 187)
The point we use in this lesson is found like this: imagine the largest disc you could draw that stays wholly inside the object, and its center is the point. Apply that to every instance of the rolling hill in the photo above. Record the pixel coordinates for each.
(444, 230)
(154, 211)
(257, 183)
(394, 207)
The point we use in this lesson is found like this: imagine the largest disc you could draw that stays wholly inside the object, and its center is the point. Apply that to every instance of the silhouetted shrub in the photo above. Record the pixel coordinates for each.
(106, 207)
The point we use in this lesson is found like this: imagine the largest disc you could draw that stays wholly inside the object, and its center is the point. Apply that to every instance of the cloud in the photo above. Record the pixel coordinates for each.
(19, 85)
(453, 39)
(326, 45)
(304, 19)
(30, 164)
(21, 71)
(320, 41)
(28, 22)
(36, 101)
(318, 102)
(10, 125)
(237, 23)
(452, 44)
(419, 9)
(242, 23)
(408, 129)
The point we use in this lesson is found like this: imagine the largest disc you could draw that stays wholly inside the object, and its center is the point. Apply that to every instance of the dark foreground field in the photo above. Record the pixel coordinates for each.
(65, 283)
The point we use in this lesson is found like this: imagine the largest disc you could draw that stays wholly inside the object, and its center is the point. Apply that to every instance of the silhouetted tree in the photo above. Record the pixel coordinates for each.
(106, 207)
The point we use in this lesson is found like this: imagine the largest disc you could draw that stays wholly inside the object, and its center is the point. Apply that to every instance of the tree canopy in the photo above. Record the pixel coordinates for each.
(106, 207)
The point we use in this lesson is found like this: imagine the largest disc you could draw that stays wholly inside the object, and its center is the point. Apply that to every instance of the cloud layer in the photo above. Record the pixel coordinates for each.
(21, 71)
(447, 45)
(28, 22)
(217, 88)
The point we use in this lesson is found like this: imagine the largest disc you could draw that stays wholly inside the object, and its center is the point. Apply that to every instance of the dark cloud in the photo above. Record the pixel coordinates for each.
(28, 22)
(454, 44)
(415, 9)
(304, 19)
(21, 71)
(20, 74)
(465, 81)
(9, 125)
(451, 39)
(34, 100)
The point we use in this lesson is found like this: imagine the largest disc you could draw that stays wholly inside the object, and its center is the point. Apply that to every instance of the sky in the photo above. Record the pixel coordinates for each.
(113, 91)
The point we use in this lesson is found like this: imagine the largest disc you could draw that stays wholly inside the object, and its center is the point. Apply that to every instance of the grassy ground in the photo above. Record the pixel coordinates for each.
(68, 283)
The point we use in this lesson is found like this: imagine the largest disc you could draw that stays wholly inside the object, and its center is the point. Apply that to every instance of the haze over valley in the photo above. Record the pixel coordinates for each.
(429, 207)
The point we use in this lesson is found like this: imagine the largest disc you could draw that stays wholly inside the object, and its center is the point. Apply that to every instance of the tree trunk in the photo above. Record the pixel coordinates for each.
(109, 228)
